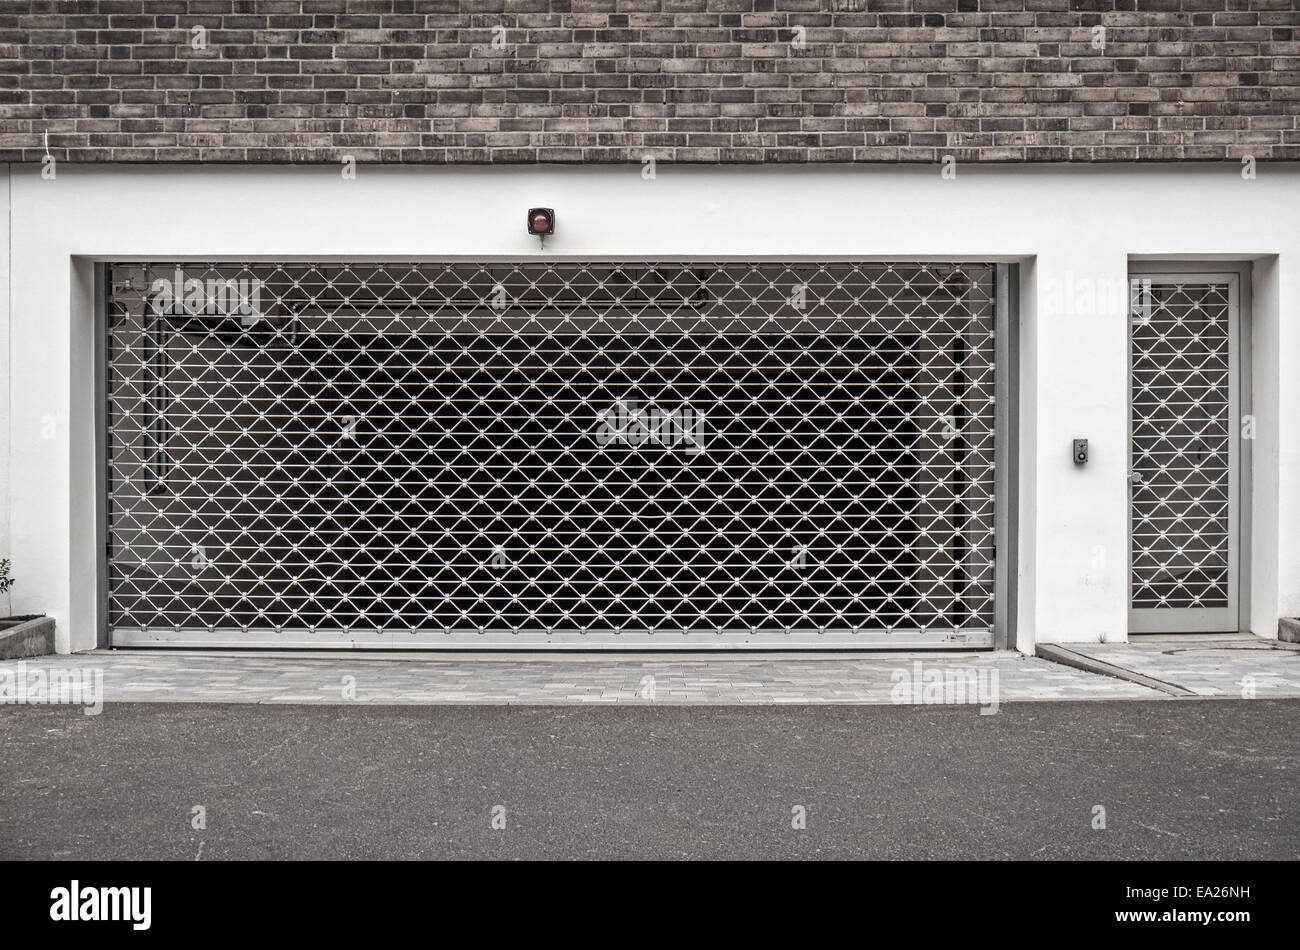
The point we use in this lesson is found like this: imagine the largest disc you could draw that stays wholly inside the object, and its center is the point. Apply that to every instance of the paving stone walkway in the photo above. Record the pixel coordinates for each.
(579, 679)
(1208, 666)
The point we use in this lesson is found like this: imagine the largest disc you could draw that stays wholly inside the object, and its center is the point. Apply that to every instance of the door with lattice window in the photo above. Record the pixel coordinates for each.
(1186, 434)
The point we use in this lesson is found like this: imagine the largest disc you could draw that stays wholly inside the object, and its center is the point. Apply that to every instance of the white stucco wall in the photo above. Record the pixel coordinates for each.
(1072, 228)
(4, 363)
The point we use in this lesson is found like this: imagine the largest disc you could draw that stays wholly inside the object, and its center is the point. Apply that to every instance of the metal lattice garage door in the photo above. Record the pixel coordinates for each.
(550, 454)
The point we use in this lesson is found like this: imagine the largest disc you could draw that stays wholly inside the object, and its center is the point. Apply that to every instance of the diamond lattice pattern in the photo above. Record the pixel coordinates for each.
(548, 448)
(1181, 435)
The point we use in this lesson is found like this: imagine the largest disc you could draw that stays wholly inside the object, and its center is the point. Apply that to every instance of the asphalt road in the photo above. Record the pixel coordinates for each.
(1177, 779)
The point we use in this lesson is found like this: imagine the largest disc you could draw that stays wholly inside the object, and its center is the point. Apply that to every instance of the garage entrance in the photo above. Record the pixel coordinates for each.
(525, 455)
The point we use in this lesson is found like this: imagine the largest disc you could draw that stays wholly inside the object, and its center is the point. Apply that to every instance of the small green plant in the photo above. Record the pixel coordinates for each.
(6, 581)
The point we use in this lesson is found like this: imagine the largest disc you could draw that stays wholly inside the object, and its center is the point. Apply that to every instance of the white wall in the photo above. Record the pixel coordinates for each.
(5, 547)
(1074, 228)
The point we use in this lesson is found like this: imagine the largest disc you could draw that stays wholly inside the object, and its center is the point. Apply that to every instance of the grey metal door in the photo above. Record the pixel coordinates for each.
(606, 455)
(1185, 452)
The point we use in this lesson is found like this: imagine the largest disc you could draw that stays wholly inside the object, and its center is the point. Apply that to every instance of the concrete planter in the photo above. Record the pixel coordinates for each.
(26, 636)
(1288, 629)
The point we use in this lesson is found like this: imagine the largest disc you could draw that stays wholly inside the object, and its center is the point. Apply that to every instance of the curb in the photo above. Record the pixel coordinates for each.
(1059, 654)
(33, 637)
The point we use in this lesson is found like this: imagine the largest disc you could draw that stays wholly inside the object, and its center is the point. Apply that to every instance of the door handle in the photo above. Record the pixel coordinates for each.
(1136, 478)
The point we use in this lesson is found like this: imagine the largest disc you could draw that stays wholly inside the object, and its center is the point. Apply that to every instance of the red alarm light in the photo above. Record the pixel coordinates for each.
(541, 221)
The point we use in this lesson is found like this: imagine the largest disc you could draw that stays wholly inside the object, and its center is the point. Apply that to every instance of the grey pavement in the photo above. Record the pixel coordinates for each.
(1209, 780)
(1220, 666)
(542, 679)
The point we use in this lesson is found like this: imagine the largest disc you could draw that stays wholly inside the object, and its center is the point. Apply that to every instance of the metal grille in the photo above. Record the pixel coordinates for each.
(1181, 430)
(685, 454)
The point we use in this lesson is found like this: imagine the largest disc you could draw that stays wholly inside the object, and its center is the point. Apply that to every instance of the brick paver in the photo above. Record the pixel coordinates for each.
(569, 679)
(1237, 667)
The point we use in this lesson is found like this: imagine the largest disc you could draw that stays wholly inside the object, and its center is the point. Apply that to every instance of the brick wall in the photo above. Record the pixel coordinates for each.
(682, 80)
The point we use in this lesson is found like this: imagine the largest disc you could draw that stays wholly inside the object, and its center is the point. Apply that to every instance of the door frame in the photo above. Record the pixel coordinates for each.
(1240, 350)
(1002, 633)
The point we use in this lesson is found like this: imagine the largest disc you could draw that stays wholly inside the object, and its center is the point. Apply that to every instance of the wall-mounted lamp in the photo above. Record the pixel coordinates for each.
(541, 221)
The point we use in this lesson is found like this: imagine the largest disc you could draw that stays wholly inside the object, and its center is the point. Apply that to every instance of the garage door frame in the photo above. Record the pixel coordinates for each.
(1006, 477)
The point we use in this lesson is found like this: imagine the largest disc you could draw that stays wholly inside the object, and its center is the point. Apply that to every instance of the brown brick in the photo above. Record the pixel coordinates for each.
(692, 80)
